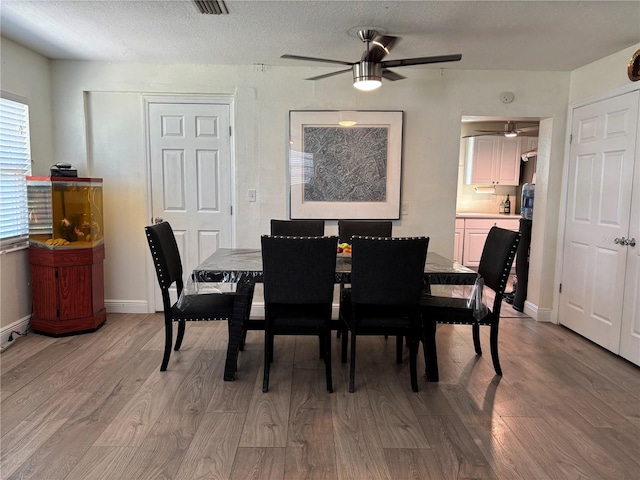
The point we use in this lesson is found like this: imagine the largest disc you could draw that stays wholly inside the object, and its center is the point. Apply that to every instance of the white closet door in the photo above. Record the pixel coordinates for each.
(630, 334)
(190, 161)
(601, 168)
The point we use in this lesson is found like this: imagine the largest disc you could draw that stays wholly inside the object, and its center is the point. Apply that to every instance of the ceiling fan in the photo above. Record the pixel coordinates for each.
(369, 71)
(511, 129)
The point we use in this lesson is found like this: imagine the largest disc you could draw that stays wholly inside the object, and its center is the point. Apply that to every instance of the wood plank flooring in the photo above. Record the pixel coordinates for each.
(96, 406)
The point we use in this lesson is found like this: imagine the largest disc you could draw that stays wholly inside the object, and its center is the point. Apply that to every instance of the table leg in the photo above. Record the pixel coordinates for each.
(430, 355)
(241, 309)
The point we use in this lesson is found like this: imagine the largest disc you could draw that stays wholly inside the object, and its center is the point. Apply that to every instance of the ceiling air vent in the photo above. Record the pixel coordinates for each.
(211, 7)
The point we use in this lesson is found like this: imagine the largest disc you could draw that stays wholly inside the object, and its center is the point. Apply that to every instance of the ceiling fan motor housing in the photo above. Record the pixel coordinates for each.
(367, 71)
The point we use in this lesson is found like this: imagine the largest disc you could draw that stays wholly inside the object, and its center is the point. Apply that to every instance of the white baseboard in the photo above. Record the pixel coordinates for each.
(20, 326)
(538, 314)
(126, 306)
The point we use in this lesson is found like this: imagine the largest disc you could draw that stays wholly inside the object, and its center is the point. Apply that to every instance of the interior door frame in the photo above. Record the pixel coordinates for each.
(147, 100)
(562, 214)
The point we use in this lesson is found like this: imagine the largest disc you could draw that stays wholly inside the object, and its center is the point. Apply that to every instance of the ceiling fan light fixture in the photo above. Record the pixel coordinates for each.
(511, 134)
(366, 85)
(367, 76)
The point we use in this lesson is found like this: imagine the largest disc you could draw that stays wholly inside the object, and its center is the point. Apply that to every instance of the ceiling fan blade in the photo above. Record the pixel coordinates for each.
(529, 129)
(327, 75)
(420, 61)
(314, 59)
(393, 76)
(484, 134)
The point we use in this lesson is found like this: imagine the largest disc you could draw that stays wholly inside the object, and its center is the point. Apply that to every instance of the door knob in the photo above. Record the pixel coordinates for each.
(631, 242)
(158, 220)
(620, 241)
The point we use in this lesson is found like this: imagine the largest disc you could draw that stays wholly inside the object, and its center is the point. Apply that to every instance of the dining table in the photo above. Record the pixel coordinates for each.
(243, 267)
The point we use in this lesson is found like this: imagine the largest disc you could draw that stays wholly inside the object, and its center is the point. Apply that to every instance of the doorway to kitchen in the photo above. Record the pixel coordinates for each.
(498, 157)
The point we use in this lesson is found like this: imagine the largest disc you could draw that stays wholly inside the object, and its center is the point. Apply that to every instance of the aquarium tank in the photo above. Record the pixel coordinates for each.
(65, 212)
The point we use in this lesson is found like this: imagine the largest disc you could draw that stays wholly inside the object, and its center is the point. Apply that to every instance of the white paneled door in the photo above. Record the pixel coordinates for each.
(630, 335)
(595, 276)
(190, 163)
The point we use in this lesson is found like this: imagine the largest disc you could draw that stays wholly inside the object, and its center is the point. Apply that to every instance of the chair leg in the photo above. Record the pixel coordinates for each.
(476, 338)
(181, 326)
(271, 340)
(268, 356)
(399, 347)
(345, 339)
(327, 359)
(413, 359)
(352, 367)
(243, 339)
(493, 341)
(168, 339)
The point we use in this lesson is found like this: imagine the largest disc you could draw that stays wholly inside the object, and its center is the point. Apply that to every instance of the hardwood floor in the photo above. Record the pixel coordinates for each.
(96, 406)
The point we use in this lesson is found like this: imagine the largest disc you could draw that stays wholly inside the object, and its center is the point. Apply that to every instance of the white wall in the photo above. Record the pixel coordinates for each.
(99, 129)
(24, 73)
(601, 77)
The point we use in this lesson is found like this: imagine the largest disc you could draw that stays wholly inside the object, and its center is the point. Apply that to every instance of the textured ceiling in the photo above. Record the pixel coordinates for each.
(509, 35)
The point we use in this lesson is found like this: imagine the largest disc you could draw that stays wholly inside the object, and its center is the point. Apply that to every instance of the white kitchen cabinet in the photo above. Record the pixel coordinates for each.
(493, 160)
(475, 234)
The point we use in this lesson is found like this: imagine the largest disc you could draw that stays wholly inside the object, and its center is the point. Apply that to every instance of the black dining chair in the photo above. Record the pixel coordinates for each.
(495, 266)
(297, 228)
(387, 279)
(168, 265)
(365, 228)
(302, 228)
(298, 276)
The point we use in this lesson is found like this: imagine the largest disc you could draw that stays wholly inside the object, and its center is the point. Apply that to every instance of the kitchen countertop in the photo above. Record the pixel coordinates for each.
(485, 215)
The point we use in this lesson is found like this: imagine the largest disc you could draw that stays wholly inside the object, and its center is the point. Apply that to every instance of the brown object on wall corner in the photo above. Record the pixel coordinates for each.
(633, 68)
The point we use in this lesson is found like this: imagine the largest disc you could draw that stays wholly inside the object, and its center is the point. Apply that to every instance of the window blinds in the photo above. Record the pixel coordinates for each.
(15, 166)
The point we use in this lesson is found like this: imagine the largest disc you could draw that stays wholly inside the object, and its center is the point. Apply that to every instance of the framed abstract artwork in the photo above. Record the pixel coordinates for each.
(345, 164)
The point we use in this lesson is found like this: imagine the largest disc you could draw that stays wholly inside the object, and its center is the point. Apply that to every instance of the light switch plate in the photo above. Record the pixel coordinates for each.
(251, 194)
